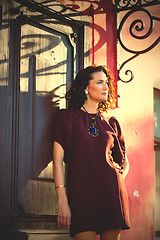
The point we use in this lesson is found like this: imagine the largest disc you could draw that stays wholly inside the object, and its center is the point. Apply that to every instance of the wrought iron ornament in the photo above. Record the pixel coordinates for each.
(92, 130)
(123, 5)
(136, 27)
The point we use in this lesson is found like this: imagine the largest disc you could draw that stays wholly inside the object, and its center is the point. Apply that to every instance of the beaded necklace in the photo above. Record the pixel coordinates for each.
(92, 130)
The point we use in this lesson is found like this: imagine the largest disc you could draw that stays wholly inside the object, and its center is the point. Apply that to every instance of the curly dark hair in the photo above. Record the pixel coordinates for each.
(76, 94)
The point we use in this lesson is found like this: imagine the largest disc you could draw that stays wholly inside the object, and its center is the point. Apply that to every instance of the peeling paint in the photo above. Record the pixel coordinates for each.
(136, 193)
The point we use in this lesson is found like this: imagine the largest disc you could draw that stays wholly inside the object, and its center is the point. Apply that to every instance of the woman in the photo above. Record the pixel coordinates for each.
(92, 145)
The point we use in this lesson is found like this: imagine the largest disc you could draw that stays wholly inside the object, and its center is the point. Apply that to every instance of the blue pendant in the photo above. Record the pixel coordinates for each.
(93, 131)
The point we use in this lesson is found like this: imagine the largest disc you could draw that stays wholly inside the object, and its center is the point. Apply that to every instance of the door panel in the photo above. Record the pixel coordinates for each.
(46, 69)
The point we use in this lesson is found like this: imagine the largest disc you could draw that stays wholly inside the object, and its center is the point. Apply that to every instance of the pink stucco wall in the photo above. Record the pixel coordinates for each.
(135, 114)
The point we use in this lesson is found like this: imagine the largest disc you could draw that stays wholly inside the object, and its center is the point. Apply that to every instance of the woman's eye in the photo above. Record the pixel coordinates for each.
(100, 82)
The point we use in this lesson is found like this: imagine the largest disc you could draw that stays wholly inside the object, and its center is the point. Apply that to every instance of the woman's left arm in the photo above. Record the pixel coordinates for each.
(122, 163)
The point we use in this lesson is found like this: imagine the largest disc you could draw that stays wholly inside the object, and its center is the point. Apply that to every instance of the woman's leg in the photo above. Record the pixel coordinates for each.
(113, 234)
(89, 235)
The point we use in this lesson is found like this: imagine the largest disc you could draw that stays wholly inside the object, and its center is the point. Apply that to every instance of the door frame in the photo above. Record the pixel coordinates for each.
(14, 90)
(81, 26)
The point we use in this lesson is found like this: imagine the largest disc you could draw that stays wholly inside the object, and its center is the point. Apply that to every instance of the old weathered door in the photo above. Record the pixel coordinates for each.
(45, 72)
(44, 56)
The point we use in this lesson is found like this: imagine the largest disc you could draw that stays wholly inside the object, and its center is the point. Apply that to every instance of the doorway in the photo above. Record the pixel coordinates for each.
(46, 49)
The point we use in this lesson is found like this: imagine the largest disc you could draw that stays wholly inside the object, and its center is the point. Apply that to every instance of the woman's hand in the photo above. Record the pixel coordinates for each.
(119, 168)
(64, 215)
(123, 169)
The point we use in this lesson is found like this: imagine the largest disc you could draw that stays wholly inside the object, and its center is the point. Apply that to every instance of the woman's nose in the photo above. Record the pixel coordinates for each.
(105, 86)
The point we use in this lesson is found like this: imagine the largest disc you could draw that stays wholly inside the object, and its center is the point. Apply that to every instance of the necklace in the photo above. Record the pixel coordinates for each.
(92, 130)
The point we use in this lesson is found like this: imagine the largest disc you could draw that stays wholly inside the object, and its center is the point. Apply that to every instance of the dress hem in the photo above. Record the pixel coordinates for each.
(98, 231)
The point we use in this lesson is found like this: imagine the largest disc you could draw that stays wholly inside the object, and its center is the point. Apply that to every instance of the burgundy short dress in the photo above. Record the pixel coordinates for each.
(96, 191)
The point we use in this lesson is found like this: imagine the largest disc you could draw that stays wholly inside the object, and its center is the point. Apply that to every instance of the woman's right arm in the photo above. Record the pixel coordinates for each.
(64, 213)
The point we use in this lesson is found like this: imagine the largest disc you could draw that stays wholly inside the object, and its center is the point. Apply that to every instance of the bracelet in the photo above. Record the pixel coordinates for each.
(59, 186)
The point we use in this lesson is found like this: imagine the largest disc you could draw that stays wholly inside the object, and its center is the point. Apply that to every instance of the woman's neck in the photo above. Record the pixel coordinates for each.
(90, 107)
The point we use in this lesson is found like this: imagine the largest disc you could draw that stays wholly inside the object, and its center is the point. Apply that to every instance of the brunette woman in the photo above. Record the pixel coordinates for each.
(92, 144)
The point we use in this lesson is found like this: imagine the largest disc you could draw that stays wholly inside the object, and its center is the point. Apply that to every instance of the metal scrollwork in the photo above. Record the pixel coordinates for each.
(126, 3)
(127, 72)
(123, 5)
(138, 32)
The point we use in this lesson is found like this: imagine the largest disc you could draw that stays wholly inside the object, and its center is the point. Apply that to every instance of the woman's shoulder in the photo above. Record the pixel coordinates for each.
(112, 115)
(66, 114)
(64, 111)
(108, 117)
(111, 120)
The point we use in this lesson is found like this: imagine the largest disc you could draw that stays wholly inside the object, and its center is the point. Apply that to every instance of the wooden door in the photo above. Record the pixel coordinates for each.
(42, 64)
(45, 70)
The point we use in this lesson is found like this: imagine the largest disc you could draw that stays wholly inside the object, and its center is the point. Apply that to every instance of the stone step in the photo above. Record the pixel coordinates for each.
(34, 235)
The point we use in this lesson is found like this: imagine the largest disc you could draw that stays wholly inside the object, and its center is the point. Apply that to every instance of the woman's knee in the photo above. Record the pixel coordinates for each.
(113, 234)
(88, 235)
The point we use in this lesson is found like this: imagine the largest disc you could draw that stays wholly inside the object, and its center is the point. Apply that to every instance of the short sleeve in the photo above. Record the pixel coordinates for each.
(118, 151)
(63, 131)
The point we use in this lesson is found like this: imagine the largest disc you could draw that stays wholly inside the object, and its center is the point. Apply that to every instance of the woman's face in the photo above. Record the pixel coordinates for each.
(98, 87)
